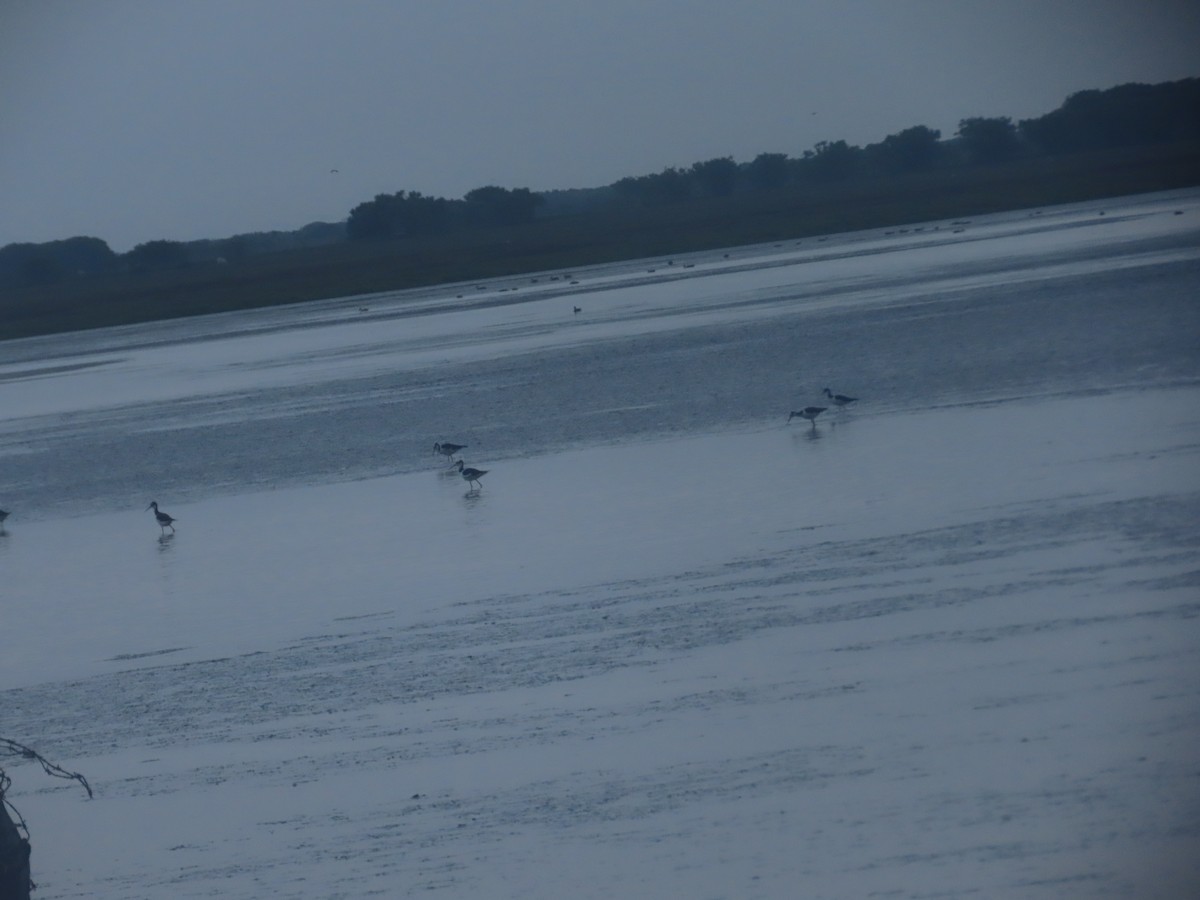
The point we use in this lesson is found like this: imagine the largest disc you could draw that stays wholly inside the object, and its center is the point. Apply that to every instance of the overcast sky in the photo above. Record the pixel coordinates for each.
(133, 120)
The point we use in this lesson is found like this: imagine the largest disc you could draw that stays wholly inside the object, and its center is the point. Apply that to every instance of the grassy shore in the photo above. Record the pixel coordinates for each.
(798, 212)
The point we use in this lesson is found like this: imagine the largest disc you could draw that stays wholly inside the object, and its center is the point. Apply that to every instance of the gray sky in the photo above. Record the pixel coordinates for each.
(133, 120)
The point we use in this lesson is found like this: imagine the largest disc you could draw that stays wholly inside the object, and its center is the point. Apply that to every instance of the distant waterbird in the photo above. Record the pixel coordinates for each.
(471, 476)
(448, 450)
(839, 399)
(164, 521)
(809, 412)
(577, 310)
(3, 516)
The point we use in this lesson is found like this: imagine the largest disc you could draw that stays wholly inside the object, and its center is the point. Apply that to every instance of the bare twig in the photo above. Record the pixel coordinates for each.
(48, 767)
(15, 863)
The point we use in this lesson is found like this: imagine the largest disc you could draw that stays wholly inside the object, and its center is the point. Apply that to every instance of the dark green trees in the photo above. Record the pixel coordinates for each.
(1122, 116)
(23, 265)
(668, 186)
(157, 255)
(987, 141)
(398, 215)
(413, 214)
(715, 177)
(830, 161)
(914, 149)
(499, 206)
(768, 171)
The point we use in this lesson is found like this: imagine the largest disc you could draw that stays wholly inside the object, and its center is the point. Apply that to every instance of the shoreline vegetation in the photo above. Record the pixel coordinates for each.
(1130, 139)
(587, 239)
(563, 242)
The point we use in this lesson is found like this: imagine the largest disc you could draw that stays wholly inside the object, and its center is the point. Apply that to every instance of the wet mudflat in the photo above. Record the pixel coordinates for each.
(942, 642)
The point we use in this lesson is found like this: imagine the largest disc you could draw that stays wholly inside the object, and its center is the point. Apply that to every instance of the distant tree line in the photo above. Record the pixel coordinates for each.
(413, 214)
(1124, 116)
(26, 265)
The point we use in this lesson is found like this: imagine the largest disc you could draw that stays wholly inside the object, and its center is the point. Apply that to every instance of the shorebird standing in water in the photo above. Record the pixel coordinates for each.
(164, 521)
(3, 516)
(810, 413)
(839, 399)
(448, 450)
(471, 476)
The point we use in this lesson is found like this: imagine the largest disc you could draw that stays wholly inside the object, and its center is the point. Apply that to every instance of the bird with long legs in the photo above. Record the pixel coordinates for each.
(471, 476)
(809, 412)
(839, 399)
(448, 450)
(3, 516)
(164, 521)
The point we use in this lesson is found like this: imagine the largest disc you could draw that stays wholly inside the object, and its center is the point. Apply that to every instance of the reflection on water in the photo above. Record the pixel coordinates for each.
(809, 433)
(472, 498)
(168, 564)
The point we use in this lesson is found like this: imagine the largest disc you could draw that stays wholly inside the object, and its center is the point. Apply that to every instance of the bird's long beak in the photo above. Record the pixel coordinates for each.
(148, 506)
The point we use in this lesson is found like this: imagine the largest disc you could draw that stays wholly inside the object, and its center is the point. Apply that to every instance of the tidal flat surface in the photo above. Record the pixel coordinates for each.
(942, 642)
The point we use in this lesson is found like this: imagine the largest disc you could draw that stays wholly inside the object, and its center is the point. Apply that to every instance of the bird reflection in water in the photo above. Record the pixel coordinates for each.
(472, 498)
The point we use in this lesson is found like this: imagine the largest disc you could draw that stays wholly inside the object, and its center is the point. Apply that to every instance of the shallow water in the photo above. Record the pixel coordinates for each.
(941, 641)
(181, 411)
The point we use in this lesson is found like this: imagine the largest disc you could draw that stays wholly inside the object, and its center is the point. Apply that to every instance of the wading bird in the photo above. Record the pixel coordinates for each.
(810, 413)
(3, 516)
(164, 521)
(471, 476)
(839, 399)
(448, 450)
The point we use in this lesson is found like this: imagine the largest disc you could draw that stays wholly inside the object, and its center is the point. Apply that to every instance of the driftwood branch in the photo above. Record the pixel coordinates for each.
(50, 768)
(15, 883)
